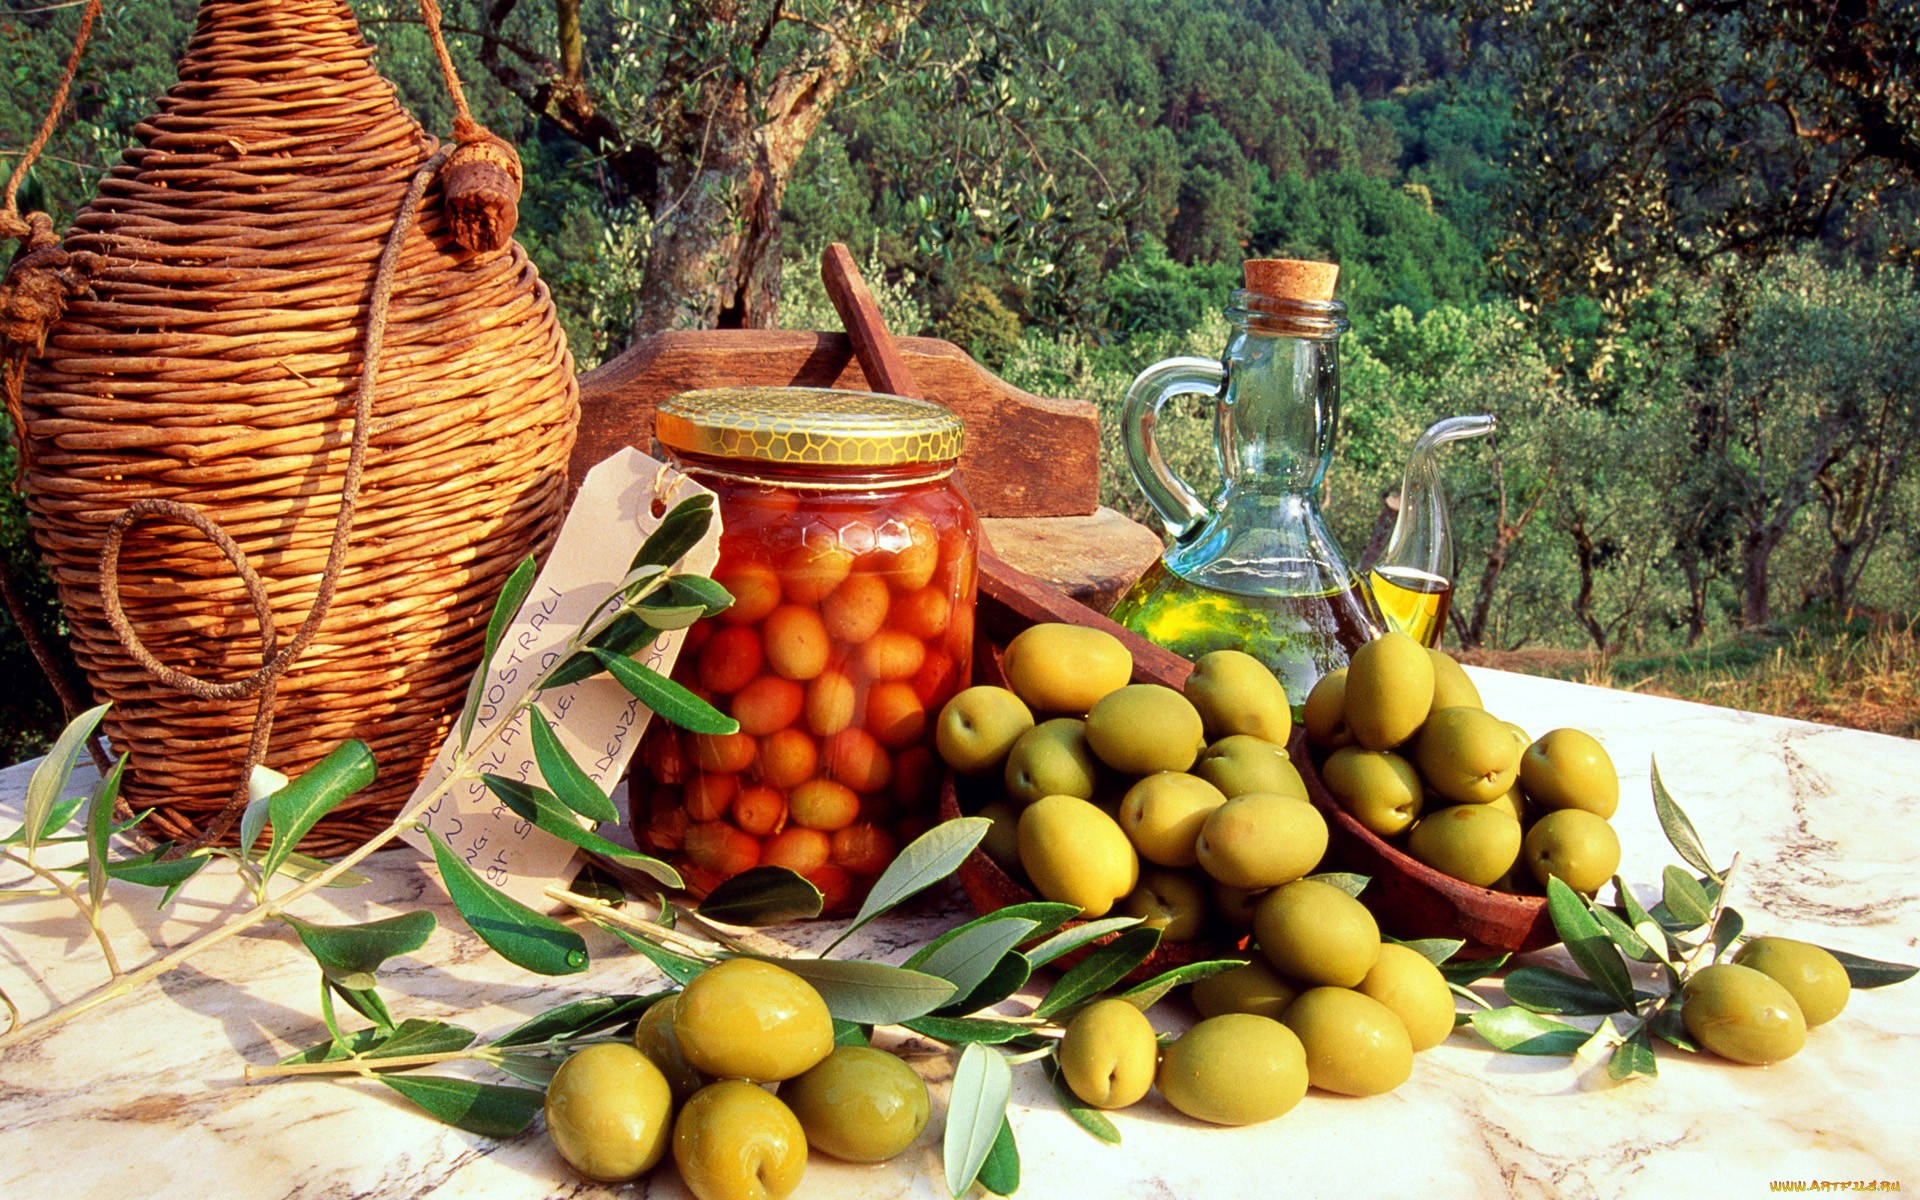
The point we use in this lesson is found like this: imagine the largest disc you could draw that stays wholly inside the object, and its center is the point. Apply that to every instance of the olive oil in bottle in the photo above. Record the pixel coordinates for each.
(1412, 601)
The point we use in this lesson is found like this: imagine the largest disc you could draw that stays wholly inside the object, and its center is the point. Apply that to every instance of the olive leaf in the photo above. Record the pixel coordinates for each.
(1084, 1115)
(1145, 995)
(1727, 928)
(968, 957)
(417, 1036)
(678, 532)
(1633, 1057)
(543, 808)
(577, 1018)
(151, 869)
(1346, 881)
(1872, 972)
(1069, 940)
(921, 863)
(295, 809)
(351, 954)
(762, 896)
(1008, 976)
(698, 589)
(1587, 943)
(1630, 943)
(1679, 830)
(488, 1109)
(506, 606)
(575, 788)
(1471, 970)
(869, 993)
(961, 1030)
(49, 778)
(1000, 1173)
(1546, 990)
(976, 1108)
(677, 967)
(57, 816)
(1437, 951)
(1518, 1031)
(1099, 970)
(1684, 899)
(623, 637)
(848, 1033)
(364, 1001)
(518, 934)
(99, 824)
(665, 697)
(535, 1069)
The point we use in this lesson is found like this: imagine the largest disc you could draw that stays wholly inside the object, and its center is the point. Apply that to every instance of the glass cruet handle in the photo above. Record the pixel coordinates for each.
(1180, 510)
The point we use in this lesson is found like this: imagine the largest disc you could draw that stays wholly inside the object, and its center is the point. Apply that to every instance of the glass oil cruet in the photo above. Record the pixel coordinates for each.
(1412, 583)
(1258, 569)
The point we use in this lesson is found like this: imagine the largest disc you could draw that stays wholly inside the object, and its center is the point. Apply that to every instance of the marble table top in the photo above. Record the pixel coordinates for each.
(149, 1097)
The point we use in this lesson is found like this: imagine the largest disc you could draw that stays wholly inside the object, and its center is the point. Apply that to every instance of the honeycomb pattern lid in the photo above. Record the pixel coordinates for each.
(808, 426)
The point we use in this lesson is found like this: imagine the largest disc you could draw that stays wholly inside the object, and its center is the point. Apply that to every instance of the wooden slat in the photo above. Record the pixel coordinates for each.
(1026, 455)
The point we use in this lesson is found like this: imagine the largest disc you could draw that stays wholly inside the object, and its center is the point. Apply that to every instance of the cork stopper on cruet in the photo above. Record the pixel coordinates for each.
(1292, 278)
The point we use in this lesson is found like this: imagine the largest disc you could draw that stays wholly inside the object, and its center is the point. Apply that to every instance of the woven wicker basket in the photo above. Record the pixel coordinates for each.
(215, 364)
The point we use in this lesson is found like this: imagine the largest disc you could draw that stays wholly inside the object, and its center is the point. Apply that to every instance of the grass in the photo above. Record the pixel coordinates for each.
(1862, 672)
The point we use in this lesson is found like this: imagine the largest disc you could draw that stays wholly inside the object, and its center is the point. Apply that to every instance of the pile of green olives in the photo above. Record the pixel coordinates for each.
(691, 1084)
(1133, 798)
(1411, 752)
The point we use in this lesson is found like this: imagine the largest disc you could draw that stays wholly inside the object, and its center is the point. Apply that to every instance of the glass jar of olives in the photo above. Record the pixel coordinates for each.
(849, 547)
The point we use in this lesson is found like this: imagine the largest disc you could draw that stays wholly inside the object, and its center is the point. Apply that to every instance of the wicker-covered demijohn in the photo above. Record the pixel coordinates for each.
(215, 363)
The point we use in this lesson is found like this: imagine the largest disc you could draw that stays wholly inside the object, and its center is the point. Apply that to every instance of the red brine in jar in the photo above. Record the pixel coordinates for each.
(849, 548)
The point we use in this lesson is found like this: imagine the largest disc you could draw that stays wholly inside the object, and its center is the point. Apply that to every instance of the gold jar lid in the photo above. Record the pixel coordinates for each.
(808, 426)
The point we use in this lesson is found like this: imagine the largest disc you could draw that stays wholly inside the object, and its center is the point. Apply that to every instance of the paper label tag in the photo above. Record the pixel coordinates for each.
(597, 720)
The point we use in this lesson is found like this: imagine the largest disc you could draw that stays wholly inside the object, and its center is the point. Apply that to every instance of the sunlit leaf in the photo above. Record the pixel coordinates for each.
(489, 1109)
(1517, 1031)
(1084, 1115)
(1684, 898)
(1145, 995)
(366, 1002)
(976, 1108)
(518, 934)
(262, 783)
(1679, 830)
(536, 1069)
(295, 809)
(968, 958)
(1463, 971)
(350, 955)
(677, 967)
(679, 531)
(1099, 970)
(1546, 990)
(1872, 972)
(578, 1018)
(513, 593)
(1727, 928)
(1435, 950)
(56, 819)
(99, 824)
(1069, 940)
(418, 1036)
(543, 808)
(923, 862)
(150, 870)
(575, 788)
(1633, 1057)
(762, 896)
(1630, 943)
(961, 1030)
(670, 700)
(1000, 1173)
(1346, 881)
(870, 993)
(48, 783)
(1587, 943)
(1008, 976)
(698, 589)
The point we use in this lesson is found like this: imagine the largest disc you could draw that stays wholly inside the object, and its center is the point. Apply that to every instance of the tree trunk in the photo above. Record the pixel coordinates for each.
(715, 262)
(1756, 553)
(1583, 553)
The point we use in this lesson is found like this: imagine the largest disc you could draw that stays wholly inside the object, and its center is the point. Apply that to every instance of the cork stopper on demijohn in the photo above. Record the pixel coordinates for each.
(1292, 278)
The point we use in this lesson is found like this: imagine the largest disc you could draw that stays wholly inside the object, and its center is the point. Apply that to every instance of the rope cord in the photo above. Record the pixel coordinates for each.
(59, 102)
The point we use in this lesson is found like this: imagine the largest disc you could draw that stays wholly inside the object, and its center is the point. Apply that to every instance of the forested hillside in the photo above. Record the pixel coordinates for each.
(1678, 267)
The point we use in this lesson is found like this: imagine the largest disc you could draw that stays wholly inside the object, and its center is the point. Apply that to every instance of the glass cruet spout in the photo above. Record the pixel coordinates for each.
(1412, 583)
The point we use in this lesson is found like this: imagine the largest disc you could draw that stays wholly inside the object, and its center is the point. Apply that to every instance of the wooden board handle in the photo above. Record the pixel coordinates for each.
(879, 358)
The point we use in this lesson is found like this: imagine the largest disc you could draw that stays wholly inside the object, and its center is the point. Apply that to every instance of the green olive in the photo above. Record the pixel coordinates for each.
(1174, 902)
(1451, 687)
(1261, 840)
(748, 1019)
(1407, 982)
(1143, 728)
(1743, 1015)
(1389, 690)
(1234, 1069)
(1324, 716)
(1253, 987)
(1567, 768)
(736, 1141)
(1108, 1053)
(1576, 845)
(1466, 755)
(1315, 933)
(1812, 976)
(1051, 759)
(1237, 693)
(1059, 668)
(653, 1037)
(1240, 763)
(978, 727)
(1163, 815)
(1076, 853)
(1475, 843)
(1355, 1045)
(1378, 787)
(608, 1112)
(859, 1104)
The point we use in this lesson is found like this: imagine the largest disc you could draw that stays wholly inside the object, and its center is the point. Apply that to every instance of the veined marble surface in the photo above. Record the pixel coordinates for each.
(148, 1097)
